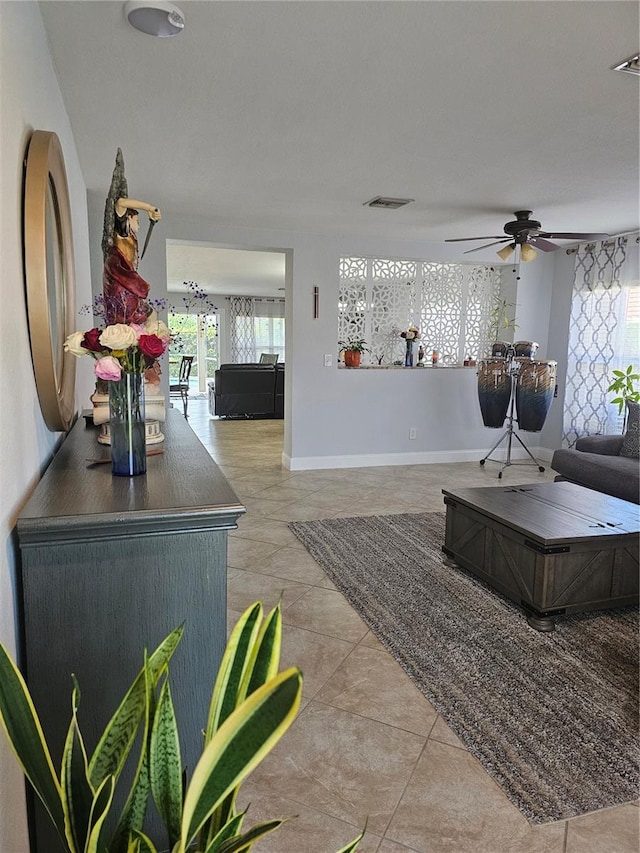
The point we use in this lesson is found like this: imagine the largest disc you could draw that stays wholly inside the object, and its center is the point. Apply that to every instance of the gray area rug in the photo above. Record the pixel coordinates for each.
(553, 718)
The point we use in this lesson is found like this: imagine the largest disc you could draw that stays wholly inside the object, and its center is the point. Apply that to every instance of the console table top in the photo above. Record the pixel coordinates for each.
(552, 513)
(182, 490)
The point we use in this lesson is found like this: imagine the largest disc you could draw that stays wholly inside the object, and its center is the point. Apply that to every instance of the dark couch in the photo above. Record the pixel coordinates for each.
(595, 462)
(249, 390)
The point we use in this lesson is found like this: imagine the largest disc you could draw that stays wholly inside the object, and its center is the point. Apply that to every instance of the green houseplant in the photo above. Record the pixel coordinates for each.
(623, 386)
(501, 319)
(353, 349)
(252, 705)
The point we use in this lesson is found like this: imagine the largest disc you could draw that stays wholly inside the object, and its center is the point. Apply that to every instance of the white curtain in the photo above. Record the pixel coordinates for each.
(255, 326)
(603, 335)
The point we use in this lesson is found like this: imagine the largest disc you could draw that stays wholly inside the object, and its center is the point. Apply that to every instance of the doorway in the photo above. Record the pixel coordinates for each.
(196, 335)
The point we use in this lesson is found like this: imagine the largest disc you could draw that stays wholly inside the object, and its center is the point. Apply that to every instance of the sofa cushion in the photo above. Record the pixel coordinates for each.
(608, 445)
(631, 441)
(613, 475)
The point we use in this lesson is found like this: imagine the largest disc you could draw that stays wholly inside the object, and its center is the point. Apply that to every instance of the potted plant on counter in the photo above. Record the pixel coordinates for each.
(353, 349)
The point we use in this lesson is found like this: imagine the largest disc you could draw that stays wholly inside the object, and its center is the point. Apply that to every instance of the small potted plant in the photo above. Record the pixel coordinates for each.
(353, 349)
(501, 319)
(623, 385)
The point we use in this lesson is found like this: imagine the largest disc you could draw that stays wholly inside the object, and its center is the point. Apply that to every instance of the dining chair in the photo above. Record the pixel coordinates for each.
(181, 387)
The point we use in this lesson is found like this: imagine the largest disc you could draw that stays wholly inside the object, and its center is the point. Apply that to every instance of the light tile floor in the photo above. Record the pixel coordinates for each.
(366, 745)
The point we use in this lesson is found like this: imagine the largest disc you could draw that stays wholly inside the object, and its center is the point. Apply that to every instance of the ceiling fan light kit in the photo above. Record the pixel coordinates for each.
(157, 18)
(528, 234)
(506, 253)
(527, 253)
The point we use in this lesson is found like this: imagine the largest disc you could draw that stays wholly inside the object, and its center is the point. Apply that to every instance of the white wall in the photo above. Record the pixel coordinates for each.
(344, 417)
(30, 100)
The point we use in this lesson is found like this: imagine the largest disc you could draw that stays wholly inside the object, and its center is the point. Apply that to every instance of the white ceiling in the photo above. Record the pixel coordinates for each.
(292, 114)
(229, 271)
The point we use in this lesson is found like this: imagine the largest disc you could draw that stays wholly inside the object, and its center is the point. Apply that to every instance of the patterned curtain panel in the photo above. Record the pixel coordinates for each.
(603, 335)
(241, 329)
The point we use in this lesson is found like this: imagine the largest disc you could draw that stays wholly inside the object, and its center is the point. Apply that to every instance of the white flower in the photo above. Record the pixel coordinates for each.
(118, 337)
(155, 326)
(73, 344)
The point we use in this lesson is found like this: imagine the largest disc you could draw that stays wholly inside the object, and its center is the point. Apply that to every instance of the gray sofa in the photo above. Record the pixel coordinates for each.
(595, 462)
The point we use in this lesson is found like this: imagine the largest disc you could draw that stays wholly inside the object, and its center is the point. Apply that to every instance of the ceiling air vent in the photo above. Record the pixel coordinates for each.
(629, 66)
(388, 203)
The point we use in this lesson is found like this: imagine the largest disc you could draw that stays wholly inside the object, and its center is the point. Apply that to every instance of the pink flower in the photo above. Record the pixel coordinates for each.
(139, 329)
(108, 368)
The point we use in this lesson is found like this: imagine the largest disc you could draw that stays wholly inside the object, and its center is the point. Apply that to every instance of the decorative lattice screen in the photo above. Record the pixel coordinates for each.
(450, 303)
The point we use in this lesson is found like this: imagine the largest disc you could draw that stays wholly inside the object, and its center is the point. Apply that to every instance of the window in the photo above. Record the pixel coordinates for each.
(451, 304)
(604, 335)
(256, 326)
(269, 336)
(197, 335)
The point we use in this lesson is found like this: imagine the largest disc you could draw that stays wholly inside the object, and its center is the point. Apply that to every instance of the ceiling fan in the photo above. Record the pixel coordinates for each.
(528, 234)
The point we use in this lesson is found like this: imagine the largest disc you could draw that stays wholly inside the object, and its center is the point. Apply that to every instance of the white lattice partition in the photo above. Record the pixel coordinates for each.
(441, 310)
(483, 289)
(391, 311)
(450, 303)
(393, 306)
(597, 309)
(352, 299)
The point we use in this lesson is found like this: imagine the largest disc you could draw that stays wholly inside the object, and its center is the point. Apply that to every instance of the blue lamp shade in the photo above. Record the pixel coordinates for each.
(155, 17)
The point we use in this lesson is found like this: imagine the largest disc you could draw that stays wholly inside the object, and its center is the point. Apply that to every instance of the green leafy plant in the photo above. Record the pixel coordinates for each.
(252, 706)
(353, 345)
(500, 319)
(624, 388)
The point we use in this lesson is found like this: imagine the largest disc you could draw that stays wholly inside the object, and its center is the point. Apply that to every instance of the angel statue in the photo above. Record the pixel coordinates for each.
(125, 296)
(124, 290)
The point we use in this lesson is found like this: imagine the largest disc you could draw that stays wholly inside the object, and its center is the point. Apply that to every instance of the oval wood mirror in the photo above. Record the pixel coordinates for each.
(50, 277)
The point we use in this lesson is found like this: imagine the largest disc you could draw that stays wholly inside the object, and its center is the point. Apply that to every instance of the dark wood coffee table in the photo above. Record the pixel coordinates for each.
(553, 548)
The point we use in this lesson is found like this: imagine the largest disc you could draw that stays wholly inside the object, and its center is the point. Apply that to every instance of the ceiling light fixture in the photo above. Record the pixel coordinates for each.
(506, 253)
(527, 253)
(155, 17)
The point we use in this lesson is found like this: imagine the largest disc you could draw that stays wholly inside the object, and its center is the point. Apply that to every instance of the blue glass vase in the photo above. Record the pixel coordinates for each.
(408, 358)
(126, 425)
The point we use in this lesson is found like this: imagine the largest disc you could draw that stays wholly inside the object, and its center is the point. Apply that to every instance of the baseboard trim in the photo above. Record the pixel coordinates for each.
(376, 460)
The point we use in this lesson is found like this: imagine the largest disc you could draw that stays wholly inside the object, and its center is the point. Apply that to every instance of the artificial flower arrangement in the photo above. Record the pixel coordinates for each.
(121, 348)
(412, 334)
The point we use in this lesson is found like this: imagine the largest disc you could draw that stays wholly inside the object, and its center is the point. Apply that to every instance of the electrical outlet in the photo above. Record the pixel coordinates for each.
(328, 360)
(413, 432)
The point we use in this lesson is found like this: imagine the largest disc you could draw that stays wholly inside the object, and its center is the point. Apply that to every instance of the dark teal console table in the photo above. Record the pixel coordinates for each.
(109, 566)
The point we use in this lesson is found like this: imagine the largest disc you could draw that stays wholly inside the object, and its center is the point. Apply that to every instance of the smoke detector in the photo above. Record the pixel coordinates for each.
(388, 203)
(155, 17)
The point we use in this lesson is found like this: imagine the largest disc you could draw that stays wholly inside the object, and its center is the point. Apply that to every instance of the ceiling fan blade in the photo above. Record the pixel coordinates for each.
(463, 239)
(566, 235)
(497, 243)
(543, 244)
